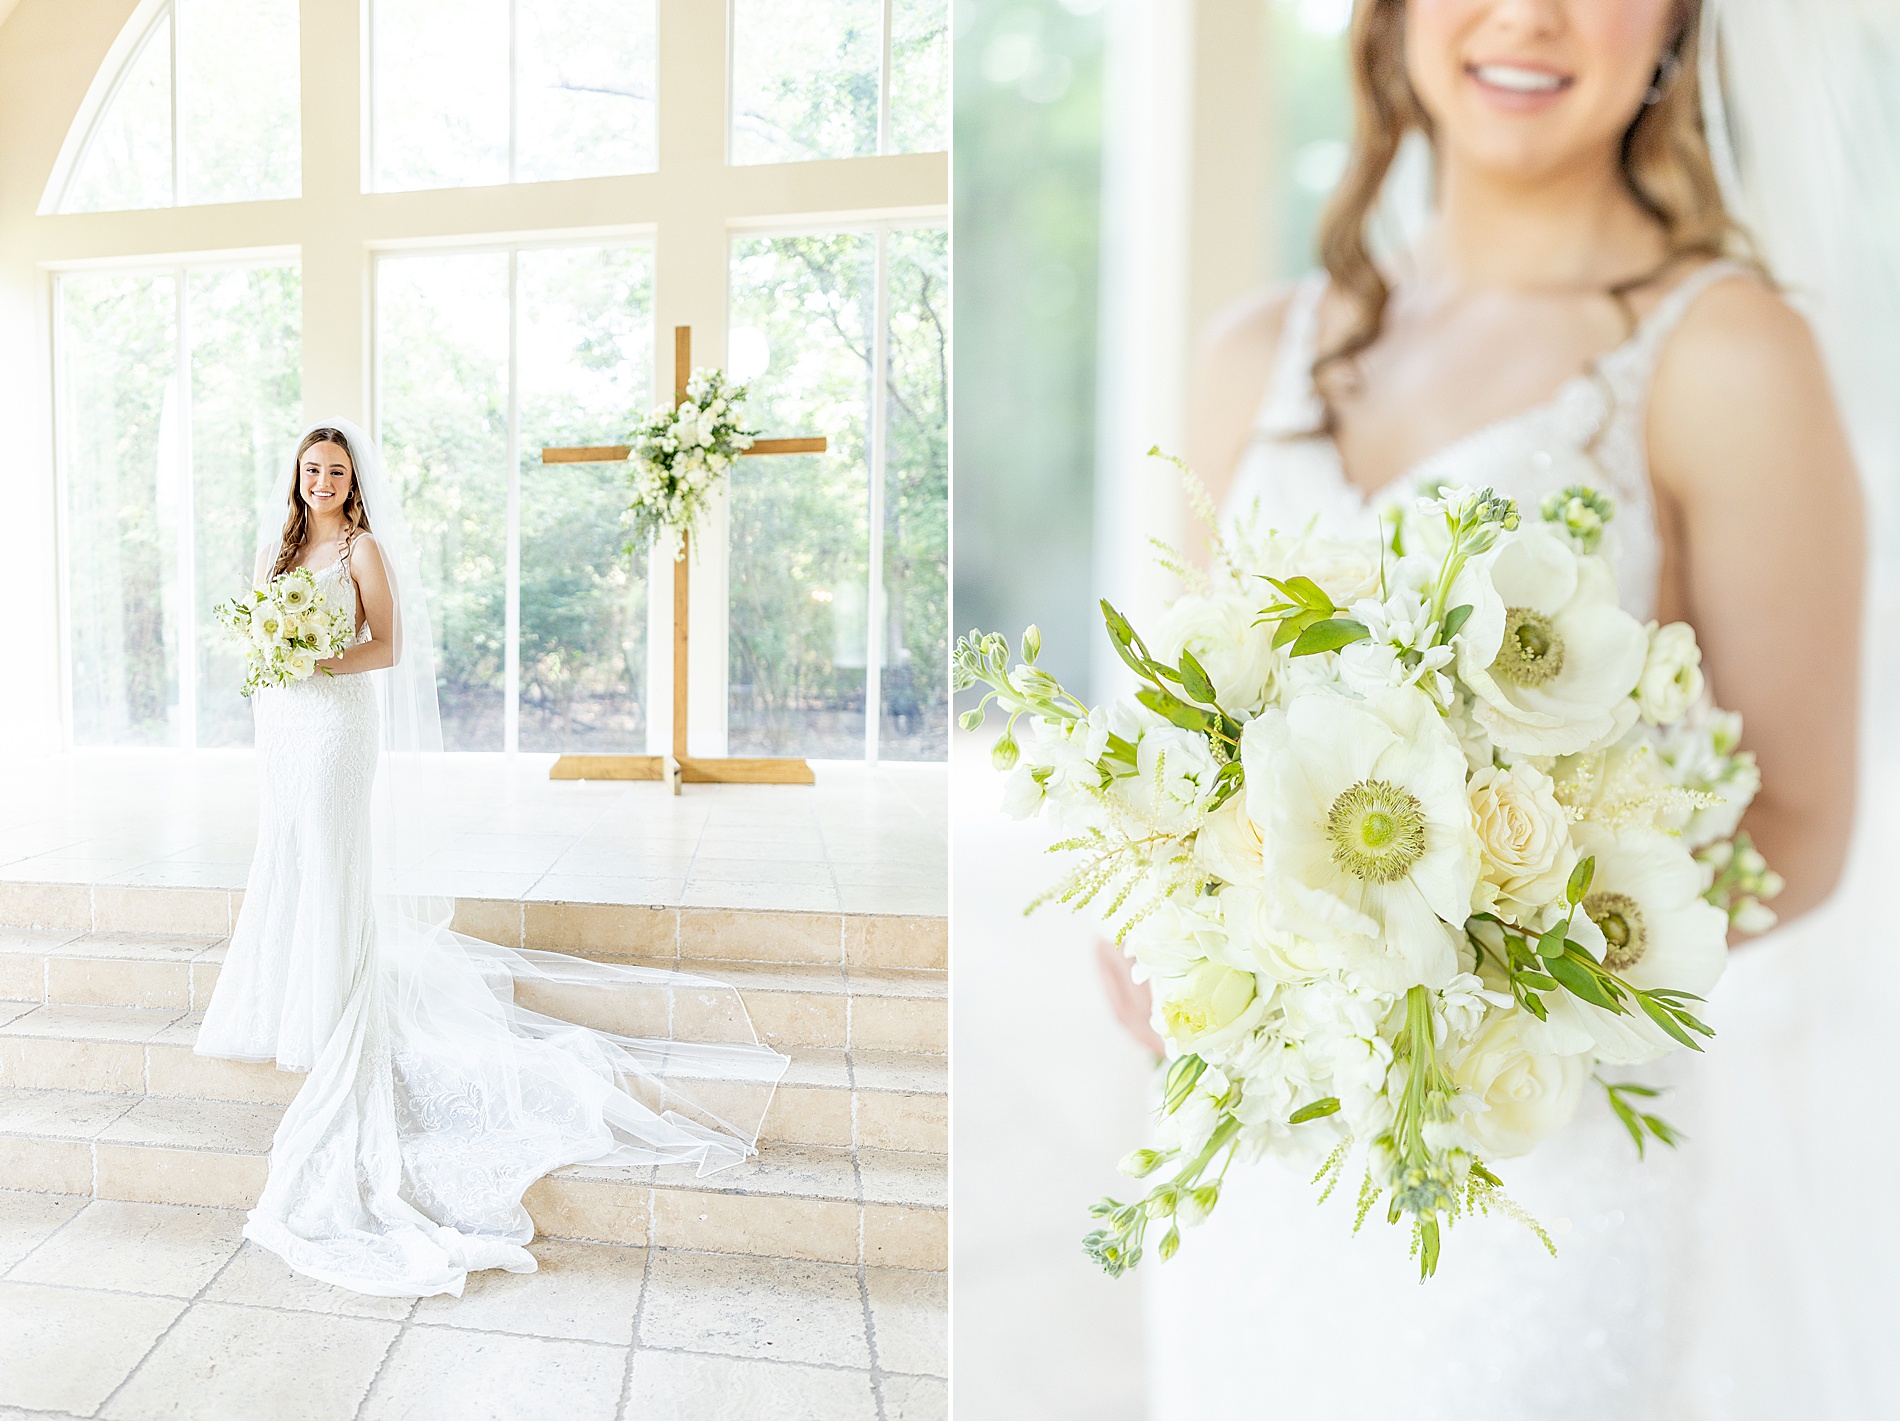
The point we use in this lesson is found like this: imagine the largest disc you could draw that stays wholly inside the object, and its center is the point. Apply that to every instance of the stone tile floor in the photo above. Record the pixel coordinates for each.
(134, 1312)
(861, 840)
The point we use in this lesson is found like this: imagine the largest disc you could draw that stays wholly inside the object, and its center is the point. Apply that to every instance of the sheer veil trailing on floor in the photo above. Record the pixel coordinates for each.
(444, 1093)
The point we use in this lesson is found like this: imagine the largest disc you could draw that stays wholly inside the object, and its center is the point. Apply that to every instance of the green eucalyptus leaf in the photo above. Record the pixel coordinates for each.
(1317, 1110)
(1196, 682)
(1329, 635)
(1173, 709)
(1580, 878)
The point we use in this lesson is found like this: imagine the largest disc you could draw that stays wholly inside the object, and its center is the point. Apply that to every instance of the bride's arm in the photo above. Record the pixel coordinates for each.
(373, 595)
(1764, 553)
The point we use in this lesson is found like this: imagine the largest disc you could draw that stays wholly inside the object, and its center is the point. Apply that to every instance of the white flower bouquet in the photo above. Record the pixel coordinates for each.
(680, 455)
(1409, 839)
(285, 629)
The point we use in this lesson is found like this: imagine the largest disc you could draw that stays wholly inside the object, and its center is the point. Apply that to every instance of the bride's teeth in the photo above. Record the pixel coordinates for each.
(1522, 81)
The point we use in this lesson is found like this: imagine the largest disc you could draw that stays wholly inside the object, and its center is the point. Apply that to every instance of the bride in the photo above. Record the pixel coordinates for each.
(1583, 307)
(433, 1098)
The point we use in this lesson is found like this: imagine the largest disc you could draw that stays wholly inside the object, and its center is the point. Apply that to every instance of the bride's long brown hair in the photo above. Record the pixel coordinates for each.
(297, 525)
(1664, 159)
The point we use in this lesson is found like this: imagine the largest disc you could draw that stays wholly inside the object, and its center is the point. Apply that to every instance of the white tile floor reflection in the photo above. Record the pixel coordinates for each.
(862, 840)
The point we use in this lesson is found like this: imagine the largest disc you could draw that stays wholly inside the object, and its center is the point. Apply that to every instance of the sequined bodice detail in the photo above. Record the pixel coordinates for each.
(1590, 431)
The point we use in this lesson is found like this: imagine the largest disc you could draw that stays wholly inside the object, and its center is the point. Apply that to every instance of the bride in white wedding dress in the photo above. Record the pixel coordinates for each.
(1581, 308)
(433, 1098)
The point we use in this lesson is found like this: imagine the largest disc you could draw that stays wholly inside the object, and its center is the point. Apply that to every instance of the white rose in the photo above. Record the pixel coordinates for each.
(300, 664)
(1237, 655)
(1526, 1096)
(1523, 835)
(1206, 1001)
(1672, 674)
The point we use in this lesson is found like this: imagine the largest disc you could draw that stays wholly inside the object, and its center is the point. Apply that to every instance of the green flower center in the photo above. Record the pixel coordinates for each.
(1532, 652)
(1378, 831)
(1625, 938)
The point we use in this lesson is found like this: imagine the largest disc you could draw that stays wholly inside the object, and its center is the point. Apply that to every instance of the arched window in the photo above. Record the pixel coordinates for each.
(197, 102)
(470, 330)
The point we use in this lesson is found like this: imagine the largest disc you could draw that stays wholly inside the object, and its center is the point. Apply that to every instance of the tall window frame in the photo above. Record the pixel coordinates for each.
(690, 203)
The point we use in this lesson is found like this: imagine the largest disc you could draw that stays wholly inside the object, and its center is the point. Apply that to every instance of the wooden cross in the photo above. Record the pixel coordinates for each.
(680, 767)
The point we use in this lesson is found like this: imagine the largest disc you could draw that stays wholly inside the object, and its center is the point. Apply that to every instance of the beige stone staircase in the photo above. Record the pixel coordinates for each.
(102, 987)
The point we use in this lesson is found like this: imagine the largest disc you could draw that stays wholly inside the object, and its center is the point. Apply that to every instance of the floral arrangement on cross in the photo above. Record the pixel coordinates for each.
(1413, 838)
(678, 456)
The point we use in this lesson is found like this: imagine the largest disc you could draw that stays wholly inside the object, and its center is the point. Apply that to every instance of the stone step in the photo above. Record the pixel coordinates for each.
(876, 1207)
(791, 1004)
(869, 1099)
(608, 931)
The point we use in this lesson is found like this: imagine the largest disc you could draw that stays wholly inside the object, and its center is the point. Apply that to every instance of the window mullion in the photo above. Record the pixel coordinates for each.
(884, 86)
(172, 29)
(187, 526)
(511, 615)
(514, 106)
(875, 439)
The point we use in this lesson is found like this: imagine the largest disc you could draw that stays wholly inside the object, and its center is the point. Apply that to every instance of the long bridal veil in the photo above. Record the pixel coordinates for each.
(456, 1079)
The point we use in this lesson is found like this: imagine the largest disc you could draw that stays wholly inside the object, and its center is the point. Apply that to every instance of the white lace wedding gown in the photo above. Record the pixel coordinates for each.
(434, 1100)
(1272, 1309)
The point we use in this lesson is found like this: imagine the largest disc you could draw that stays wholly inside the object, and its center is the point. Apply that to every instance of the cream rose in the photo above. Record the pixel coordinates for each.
(1523, 836)
(1672, 674)
(1526, 1096)
(1206, 1000)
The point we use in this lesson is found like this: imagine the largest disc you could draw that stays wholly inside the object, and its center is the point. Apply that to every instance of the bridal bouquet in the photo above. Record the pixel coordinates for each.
(680, 455)
(1409, 838)
(285, 628)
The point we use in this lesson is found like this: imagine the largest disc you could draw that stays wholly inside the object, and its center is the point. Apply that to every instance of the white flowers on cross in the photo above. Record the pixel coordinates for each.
(678, 457)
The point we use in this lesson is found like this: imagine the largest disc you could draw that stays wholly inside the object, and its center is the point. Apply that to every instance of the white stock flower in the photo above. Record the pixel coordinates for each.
(1550, 655)
(1399, 625)
(1366, 838)
(1526, 1095)
(1646, 918)
(1173, 779)
(1238, 656)
(1524, 836)
(1703, 755)
(1672, 674)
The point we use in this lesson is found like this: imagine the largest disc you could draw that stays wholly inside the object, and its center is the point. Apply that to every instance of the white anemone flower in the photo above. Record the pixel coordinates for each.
(1647, 921)
(1548, 652)
(1367, 846)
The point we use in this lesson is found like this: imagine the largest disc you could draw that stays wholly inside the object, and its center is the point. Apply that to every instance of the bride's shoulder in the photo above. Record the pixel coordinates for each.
(1740, 339)
(1741, 382)
(366, 554)
(1247, 331)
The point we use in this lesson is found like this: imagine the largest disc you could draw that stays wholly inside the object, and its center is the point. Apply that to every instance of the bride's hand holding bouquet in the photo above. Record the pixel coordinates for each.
(1409, 839)
(286, 628)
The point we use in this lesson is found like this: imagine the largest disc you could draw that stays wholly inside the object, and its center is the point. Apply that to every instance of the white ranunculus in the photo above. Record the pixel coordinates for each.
(1651, 926)
(1367, 846)
(1237, 655)
(1672, 674)
(1550, 655)
(1177, 935)
(1526, 1095)
(1523, 834)
(1174, 779)
(1256, 943)
(1228, 845)
(1344, 570)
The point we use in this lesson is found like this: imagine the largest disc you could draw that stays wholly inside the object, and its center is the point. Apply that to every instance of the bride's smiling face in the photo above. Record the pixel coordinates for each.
(1530, 88)
(324, 476)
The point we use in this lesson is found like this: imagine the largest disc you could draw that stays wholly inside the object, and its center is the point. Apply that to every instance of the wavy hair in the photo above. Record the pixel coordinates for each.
(297, 524)
(1664, 158)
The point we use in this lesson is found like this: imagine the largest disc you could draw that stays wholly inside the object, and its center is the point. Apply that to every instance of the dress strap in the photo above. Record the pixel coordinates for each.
(1653, 331)
(1291, 405)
